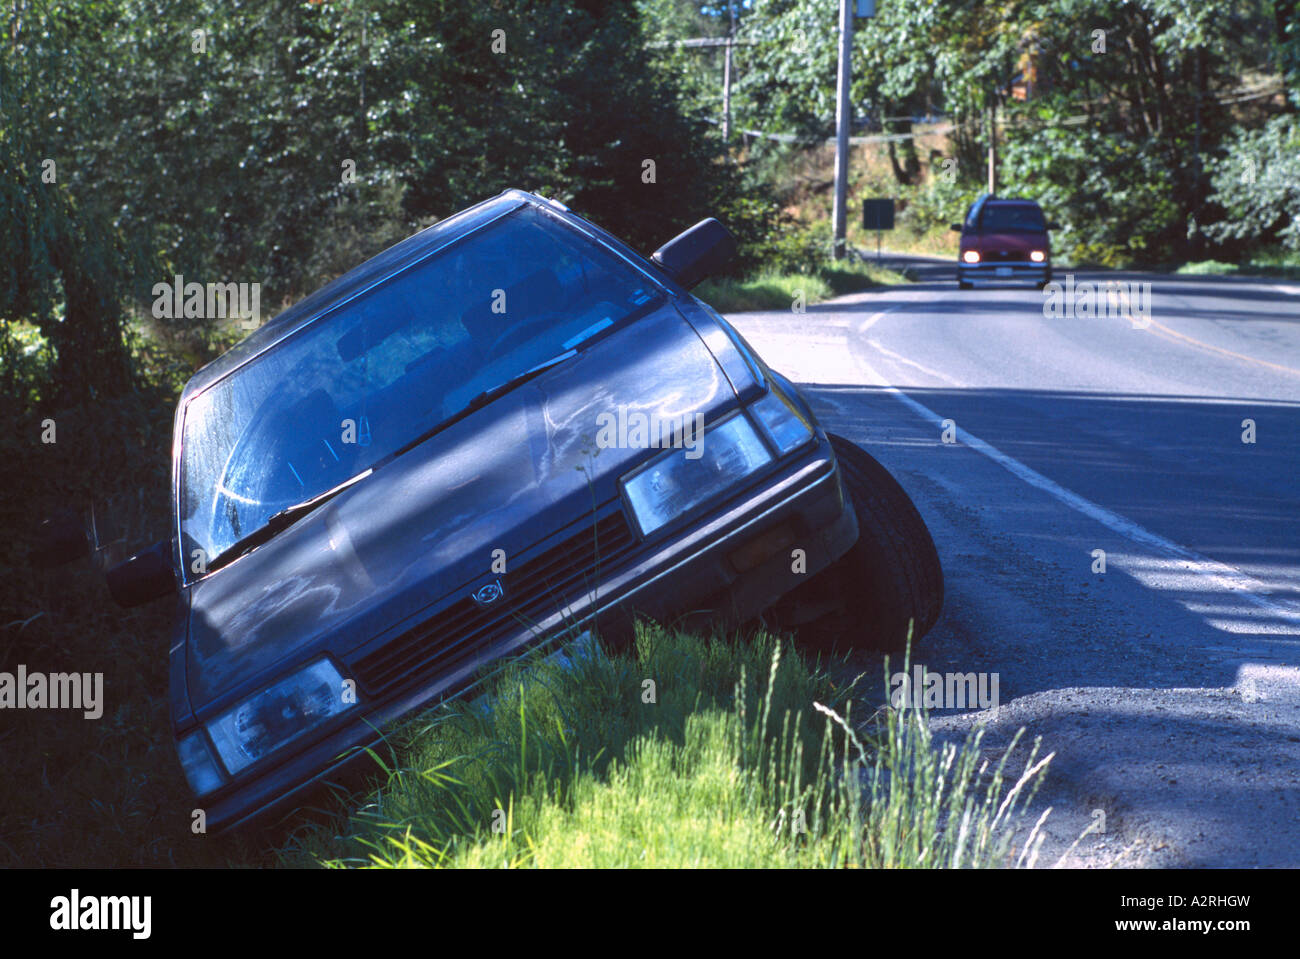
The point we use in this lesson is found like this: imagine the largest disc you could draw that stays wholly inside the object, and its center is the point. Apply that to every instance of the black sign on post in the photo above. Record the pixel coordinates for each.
(878, 215)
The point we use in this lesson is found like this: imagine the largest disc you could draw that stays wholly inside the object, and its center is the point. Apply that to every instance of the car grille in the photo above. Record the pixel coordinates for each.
(1005, 256)
(534, 590)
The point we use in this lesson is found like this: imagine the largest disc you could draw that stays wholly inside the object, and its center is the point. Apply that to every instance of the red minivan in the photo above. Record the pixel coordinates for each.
(1004, 239)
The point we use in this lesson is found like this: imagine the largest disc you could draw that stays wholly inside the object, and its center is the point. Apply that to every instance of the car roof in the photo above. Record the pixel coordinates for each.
(1009, 201)
(378, 268)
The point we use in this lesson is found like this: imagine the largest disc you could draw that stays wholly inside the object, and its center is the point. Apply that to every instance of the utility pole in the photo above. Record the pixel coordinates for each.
(726, 97)
(843, 118)
(843, 114)
(726, 76)
(993, 147)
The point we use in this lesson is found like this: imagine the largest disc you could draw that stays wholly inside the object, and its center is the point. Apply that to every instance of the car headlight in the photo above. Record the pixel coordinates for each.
(277, 715)
(784, 425)
(200, 768)
(676, 481)
(971, 256)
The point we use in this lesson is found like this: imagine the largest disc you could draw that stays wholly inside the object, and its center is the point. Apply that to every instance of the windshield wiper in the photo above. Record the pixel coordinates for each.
(279, 521)
(480, 400)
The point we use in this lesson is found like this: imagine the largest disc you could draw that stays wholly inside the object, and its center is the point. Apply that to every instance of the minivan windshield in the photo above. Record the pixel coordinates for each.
(385, 368)
(1012, 218)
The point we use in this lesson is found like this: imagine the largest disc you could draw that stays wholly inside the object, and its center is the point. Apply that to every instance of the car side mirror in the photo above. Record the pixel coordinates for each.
(61, 539)
(146, 576)
(956, 227)
(697, 253)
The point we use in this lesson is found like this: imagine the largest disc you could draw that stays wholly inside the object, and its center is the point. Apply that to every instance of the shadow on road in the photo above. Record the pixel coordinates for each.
(1175, 466)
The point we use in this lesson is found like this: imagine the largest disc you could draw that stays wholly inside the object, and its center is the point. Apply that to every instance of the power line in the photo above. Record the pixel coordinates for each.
(702, 42)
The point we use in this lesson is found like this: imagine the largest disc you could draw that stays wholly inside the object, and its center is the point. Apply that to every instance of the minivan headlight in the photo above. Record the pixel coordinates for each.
(279, 714)
(971, 256)
(681, 479)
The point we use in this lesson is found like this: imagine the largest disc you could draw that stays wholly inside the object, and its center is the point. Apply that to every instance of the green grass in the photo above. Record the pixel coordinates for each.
(1271, 264)
(778, 291)
(747, 758)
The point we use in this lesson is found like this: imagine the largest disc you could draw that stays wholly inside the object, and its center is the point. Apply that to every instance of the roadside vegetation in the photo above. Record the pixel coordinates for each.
(682, 751)
(1154, 132)
(1282, 264)
(772, 289)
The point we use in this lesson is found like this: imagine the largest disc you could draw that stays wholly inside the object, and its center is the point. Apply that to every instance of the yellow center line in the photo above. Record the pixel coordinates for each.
(1220, 350)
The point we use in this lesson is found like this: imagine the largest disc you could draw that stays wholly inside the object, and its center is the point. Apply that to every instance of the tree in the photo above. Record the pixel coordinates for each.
(67, 265)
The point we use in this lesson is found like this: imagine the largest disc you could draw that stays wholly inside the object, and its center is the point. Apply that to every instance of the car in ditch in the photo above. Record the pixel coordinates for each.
(505, 430)
(1004, 239)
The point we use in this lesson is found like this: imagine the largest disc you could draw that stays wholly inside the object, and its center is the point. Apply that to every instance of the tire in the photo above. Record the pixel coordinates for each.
(963, 285)
(891, 576)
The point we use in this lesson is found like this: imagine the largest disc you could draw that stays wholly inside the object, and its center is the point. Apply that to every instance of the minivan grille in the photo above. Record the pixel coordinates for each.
(533, 591)
(1005, 256)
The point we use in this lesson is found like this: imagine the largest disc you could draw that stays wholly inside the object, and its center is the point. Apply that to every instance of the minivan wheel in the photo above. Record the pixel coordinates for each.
(963, 284)
(891, 576)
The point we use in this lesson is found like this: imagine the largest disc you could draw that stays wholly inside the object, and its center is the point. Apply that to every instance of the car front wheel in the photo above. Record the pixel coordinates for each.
(890, 578)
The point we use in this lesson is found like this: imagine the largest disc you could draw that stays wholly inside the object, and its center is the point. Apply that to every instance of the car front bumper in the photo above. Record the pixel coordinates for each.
(994, 272)
(728, 565)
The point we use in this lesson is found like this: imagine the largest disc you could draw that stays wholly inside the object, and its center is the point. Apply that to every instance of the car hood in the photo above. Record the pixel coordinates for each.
(427, 524)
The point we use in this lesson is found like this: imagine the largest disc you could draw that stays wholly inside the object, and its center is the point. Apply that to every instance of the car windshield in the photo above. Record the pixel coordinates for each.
(1013, 218)
(381, 370)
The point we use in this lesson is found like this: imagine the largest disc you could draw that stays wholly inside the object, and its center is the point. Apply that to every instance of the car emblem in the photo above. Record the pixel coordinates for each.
(488, 594)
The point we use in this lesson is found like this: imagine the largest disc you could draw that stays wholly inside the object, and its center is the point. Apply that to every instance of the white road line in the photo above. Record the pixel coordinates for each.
(899, 358)
(874, 318)
(1224, 577)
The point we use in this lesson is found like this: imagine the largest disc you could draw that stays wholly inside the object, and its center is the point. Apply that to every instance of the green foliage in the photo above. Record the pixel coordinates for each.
(1109, 192)
(786, 83)
(66, 264)
(697, 71)
(768, 290)
(938, 203)
(1286, 15)
(1123, 131)
(1274, 262)
(800, 248)
(1257, 183)
(795, 261)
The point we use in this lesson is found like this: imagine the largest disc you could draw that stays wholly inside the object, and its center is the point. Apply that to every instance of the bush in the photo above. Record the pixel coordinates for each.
(799, 248)
(1112, 195)
(1257, 185)
(937, 204)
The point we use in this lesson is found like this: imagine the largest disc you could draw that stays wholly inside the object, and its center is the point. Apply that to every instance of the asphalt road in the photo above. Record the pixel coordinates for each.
(1169, 685)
